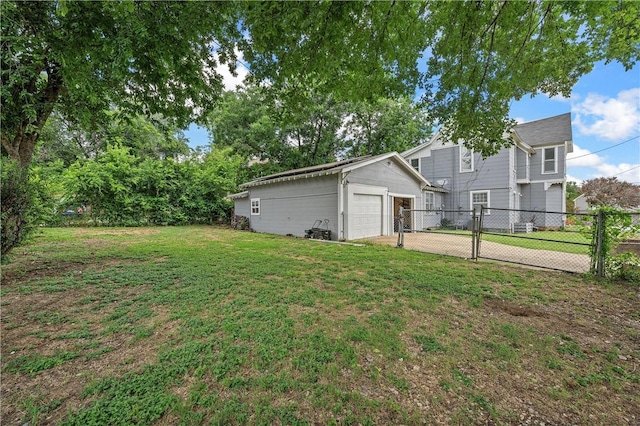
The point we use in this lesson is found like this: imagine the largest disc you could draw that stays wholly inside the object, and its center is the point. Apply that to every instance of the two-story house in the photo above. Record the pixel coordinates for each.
(529, 175)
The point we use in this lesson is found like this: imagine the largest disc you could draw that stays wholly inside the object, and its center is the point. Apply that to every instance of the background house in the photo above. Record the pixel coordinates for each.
(529, 175)
(580, 204)
(359, 197)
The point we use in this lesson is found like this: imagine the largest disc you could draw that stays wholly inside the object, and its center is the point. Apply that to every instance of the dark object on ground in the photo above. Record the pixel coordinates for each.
(319, 230)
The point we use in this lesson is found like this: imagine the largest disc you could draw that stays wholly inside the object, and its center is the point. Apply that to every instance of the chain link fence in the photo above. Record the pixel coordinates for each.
(550, 240)
(573, 242)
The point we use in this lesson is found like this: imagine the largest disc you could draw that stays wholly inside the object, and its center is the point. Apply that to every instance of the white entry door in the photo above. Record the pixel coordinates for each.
(367, 216)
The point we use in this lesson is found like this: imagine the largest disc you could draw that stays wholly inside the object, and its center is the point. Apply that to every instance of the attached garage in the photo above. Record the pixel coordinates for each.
(353, 198)
(367, 216)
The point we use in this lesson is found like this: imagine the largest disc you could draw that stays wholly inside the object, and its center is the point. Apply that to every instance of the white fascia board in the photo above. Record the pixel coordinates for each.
(568, 147)
(290, 178)
(519, 143)
(550, 181)
(243, 194)
(398, 160)
(420, 147)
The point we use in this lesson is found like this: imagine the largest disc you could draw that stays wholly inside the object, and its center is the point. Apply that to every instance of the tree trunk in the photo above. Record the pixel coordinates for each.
(14, 204)
(15, 194)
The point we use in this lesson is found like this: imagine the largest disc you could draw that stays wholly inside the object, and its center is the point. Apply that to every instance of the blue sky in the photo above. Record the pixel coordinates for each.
(605, 114)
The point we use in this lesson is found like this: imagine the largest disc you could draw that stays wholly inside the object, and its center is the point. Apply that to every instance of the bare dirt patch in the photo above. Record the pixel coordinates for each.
(72, 322)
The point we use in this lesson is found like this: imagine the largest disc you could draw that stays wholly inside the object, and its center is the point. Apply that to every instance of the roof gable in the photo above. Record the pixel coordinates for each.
(334, 168)
(554, 130)
(422, 146)
(547, 131)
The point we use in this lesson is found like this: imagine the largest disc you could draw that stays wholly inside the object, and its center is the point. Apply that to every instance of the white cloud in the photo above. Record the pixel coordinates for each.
(561, 98)
(583, 158)
(623, 171)
(230, 81)
(520, 120)
(609, 118)
(574, 179)
(599, 167)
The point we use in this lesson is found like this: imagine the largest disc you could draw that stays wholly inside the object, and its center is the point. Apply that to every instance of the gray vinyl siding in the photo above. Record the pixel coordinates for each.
(489, 174)
(292, 207)
(521, 164)
(396, 179)
(426, 220)
(242, 207)
(536, 165)
(536, 199)
(554, 198)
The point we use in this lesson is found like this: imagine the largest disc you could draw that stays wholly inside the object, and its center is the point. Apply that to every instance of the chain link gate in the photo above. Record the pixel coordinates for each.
(449, 232)
(550, 240)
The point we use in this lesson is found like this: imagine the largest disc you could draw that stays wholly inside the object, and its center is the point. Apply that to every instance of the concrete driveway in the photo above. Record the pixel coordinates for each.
(460, 246)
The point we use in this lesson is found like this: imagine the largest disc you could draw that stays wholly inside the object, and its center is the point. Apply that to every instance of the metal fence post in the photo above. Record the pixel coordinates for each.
(600, 254)
(479, 236)
(473, 235)
(401, 227)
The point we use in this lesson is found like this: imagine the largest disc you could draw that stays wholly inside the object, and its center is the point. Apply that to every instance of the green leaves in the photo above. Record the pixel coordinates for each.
(123, 189)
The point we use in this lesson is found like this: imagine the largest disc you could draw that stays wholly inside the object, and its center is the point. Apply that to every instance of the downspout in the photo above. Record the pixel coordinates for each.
(341, 178)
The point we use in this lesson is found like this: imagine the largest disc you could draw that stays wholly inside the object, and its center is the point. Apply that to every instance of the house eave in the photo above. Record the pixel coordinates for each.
(239, 195)
(291, 178)
(415, 149)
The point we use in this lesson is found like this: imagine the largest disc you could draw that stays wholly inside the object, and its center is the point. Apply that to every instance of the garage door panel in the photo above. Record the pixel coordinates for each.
(367, 216)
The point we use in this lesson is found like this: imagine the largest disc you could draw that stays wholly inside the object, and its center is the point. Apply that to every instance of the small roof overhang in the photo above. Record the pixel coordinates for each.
(239, 195)
(335, 168)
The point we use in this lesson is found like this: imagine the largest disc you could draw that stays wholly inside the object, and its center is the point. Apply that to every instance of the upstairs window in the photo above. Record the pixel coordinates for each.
(255, 207)
(550, 160)
(466, 159)
(415, 163)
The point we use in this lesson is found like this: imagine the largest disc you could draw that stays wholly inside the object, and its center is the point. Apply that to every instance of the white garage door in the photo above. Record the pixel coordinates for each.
(367, 216)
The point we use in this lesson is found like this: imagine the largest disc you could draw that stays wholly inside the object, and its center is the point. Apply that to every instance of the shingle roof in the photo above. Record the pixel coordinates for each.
(547, 131)
(336, 167)
(311, 169)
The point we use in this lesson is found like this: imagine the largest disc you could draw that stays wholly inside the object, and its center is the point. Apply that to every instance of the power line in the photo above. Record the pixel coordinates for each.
(604, 149)
(625, 171)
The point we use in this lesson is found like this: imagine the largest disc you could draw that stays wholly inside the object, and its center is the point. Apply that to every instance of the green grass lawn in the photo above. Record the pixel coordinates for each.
(193, 325)
(561, 241)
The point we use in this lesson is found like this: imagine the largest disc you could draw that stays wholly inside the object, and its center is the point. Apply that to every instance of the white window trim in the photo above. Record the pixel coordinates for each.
(419, 165)
(257, 201)
(555, 160)
(488, 209)
(461, 147)
(433, 195)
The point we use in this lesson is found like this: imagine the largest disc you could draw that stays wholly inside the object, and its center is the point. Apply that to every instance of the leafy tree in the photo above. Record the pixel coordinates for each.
(151, 57)
(85, 57)
(244, 120)
(609, 191)
(125, 189)
(385, 125)
(156, 57)
(27, 201)
(310, 131)
(258, 124)
(63, 139)
(478, 56)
